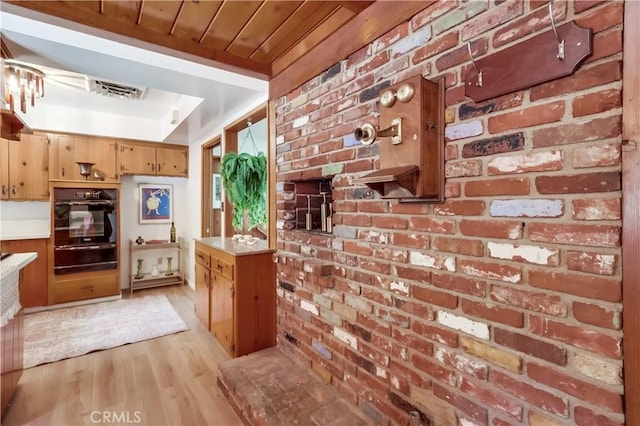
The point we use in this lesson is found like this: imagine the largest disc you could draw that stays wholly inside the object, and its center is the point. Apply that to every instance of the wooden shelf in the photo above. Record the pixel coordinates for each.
(148, 280)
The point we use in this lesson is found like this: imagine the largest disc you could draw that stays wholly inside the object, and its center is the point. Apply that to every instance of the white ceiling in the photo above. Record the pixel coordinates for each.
(205, 97)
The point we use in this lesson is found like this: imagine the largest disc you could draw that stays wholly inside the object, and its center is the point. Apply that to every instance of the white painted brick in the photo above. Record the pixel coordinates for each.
(463, 130)
(346, 337)
(461, 362)
(473, 271)
(381, 372)
(435, 262)
(526, 208)
(301, 121)
(279, 140)
(531, 254)
(417, 39)
(474, 328)
(400, 287)
(549, 160)
(280, 224)
(280, 292)
(310, 307)
(596, 368)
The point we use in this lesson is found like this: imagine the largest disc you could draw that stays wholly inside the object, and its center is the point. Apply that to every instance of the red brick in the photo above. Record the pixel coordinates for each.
(585, 417)
(413, 273)
(390, 222)
(594, 103)
(460, 55)
(435, 47)
(493, 313)
(587, 235)
(600, 19)
(432, 224)
(410, 240)
(529, 117)
(459, 284)
(435, 297)
(528, 24)
(589, 286)
(597, 209)
(538, 397)
(409, 208)
(606, 44)
(489, 396)
(579, 184)
(462, 207)
(371, 323)
(419, 309)
(578, 336)
(375, 265)
(458, 245)
(595, 129)
(593, 263)
(536, 302)
(492, 228)
(507, 186)
(373, 62)
(342, 156)
(434, 370)
(596, 315)
(531, 346)
(490, 270)
(373, 206)
(452, 190)
(501, 103)
(571, 385)
(463, 169)
(357, 248)
(413, 341)
(355, 220)
(358, 166)
(391, 253)
(492, 18)
(434, 333)
(465, 405)
(597, 75)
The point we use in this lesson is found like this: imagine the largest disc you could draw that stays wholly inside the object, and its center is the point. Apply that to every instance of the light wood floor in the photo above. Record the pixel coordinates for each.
(170, 380)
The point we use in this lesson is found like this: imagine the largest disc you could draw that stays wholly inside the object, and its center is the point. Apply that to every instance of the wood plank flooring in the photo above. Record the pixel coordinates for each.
(170, 380)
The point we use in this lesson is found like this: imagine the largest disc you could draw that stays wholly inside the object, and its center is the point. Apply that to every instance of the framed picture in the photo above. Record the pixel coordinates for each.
(155, 203)
(217, 191)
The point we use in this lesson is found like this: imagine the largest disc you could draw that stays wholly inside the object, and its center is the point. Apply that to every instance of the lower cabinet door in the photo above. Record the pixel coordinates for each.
(221, 311)
(202, 294)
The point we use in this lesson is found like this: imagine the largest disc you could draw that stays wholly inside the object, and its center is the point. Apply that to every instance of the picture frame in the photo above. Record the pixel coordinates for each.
(155, 203)
(216, 199)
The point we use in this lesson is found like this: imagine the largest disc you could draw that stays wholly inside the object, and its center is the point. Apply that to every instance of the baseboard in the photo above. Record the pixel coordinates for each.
(70, 304)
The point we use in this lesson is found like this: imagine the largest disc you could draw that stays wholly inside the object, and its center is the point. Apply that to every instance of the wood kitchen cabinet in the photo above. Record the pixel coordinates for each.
(151, 159)
(24, 168)
(33, 284)
(66, 150)
(241, 290)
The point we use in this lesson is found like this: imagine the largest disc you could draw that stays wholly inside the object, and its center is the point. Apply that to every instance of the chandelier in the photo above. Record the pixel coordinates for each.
(22, 82)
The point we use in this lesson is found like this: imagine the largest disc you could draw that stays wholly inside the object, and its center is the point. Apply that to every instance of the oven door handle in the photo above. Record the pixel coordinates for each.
(91, 247)
(86, 203)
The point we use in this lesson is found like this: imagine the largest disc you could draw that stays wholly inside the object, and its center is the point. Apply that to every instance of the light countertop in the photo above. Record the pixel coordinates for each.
(25, 229)
(234, 247)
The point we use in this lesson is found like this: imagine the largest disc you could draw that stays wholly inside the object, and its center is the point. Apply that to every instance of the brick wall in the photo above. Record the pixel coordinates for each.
(500, 306)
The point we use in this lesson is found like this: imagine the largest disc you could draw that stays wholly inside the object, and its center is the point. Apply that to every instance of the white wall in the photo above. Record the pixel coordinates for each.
(131, 229)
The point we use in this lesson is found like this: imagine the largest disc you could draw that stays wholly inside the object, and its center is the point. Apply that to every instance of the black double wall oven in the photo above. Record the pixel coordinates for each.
(85, 230)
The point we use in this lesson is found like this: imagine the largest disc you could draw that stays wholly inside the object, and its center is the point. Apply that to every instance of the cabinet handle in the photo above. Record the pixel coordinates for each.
(4, 190)
(63, 171)
(233, 291)
(153, 167)
(13, 190)
(158, 167)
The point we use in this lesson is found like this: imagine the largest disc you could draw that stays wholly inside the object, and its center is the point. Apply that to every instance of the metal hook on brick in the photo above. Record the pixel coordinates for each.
(555, 30)
(479, 83)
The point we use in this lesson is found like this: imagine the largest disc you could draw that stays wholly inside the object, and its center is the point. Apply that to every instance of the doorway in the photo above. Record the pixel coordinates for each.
(212, 203)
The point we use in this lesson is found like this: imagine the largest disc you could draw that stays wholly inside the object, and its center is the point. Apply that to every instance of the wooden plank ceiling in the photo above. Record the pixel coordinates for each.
(257, 38)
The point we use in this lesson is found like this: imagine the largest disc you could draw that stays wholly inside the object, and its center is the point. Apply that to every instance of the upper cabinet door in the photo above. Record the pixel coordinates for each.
(4, 169)
(61, 158)
(172, 161)
(28, 168)
(136, 159)
(100, 152)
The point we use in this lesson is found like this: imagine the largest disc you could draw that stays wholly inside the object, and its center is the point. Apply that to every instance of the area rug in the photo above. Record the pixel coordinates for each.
(69, 332)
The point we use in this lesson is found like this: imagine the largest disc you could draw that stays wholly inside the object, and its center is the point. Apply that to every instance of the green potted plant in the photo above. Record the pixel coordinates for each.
(244, 178)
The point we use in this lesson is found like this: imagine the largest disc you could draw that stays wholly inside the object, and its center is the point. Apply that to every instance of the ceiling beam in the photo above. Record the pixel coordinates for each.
(372, 23)
(223, 60)
(356, 6)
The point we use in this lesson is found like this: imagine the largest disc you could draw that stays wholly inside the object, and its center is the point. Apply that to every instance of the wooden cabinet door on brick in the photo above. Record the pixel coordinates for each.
(66, 150)
(172, 161)
(241, 297)
(25, 168)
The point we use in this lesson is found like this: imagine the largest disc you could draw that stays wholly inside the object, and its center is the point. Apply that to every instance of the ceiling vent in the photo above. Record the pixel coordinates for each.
(108, 88)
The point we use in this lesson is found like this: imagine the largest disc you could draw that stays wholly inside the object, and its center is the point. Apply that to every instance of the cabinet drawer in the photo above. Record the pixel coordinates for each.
(82, 289)
(203, 258)
(223, 268)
